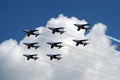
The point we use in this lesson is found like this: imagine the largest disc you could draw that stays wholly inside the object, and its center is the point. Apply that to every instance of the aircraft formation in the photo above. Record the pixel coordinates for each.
(53, 44)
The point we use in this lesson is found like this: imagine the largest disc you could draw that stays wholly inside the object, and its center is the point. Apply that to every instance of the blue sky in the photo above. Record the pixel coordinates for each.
(97, 60)
(28, 14)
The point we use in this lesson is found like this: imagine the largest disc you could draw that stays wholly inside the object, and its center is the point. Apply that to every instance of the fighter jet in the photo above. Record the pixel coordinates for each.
(54, 56)
(82, 26)
(55, 44)
(82, 42)
(32, 32)
(58, 30)
(34, 45)
(31, 56)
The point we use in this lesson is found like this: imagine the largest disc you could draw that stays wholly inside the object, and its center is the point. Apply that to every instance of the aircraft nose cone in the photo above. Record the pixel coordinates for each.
(88, 24)
(24, 43)
(24, 54)
(76, 24)
(48, 42)
(74, 40)
(25, 30)
(47, 55)
(49, 28)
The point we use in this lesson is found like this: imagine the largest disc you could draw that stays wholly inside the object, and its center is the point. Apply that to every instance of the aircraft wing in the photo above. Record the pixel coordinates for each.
(28, 34)
(54, 43)
(35, 43)
(81, 25)
(33, 54)
(84, 24)
(52, 46)
(53, 32)
(77, 43)
(28, 58)
(57, 54)
(84, 40)
(33, 30)
(53, 54)
(78, 28)
(51, 58)
(57, 42)
(29, 55)
(60, 28)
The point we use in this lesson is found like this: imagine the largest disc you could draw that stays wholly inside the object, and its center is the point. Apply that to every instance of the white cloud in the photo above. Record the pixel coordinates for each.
(96, 61)
(13, 66)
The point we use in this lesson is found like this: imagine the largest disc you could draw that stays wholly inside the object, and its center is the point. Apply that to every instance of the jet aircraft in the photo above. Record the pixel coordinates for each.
(82, 26)
(54, 56)
(34, 45)
(55, 44)
(31, 56)
(82, 42)
(58, 30)
(32, 32)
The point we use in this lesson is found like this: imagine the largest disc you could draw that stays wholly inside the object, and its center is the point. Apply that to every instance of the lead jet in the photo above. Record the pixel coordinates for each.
(82, 42)
(34, 45)
(54, 56)
(55, 44)
(31, 56)
(58, 30)
(32, 32)
(82, 26)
